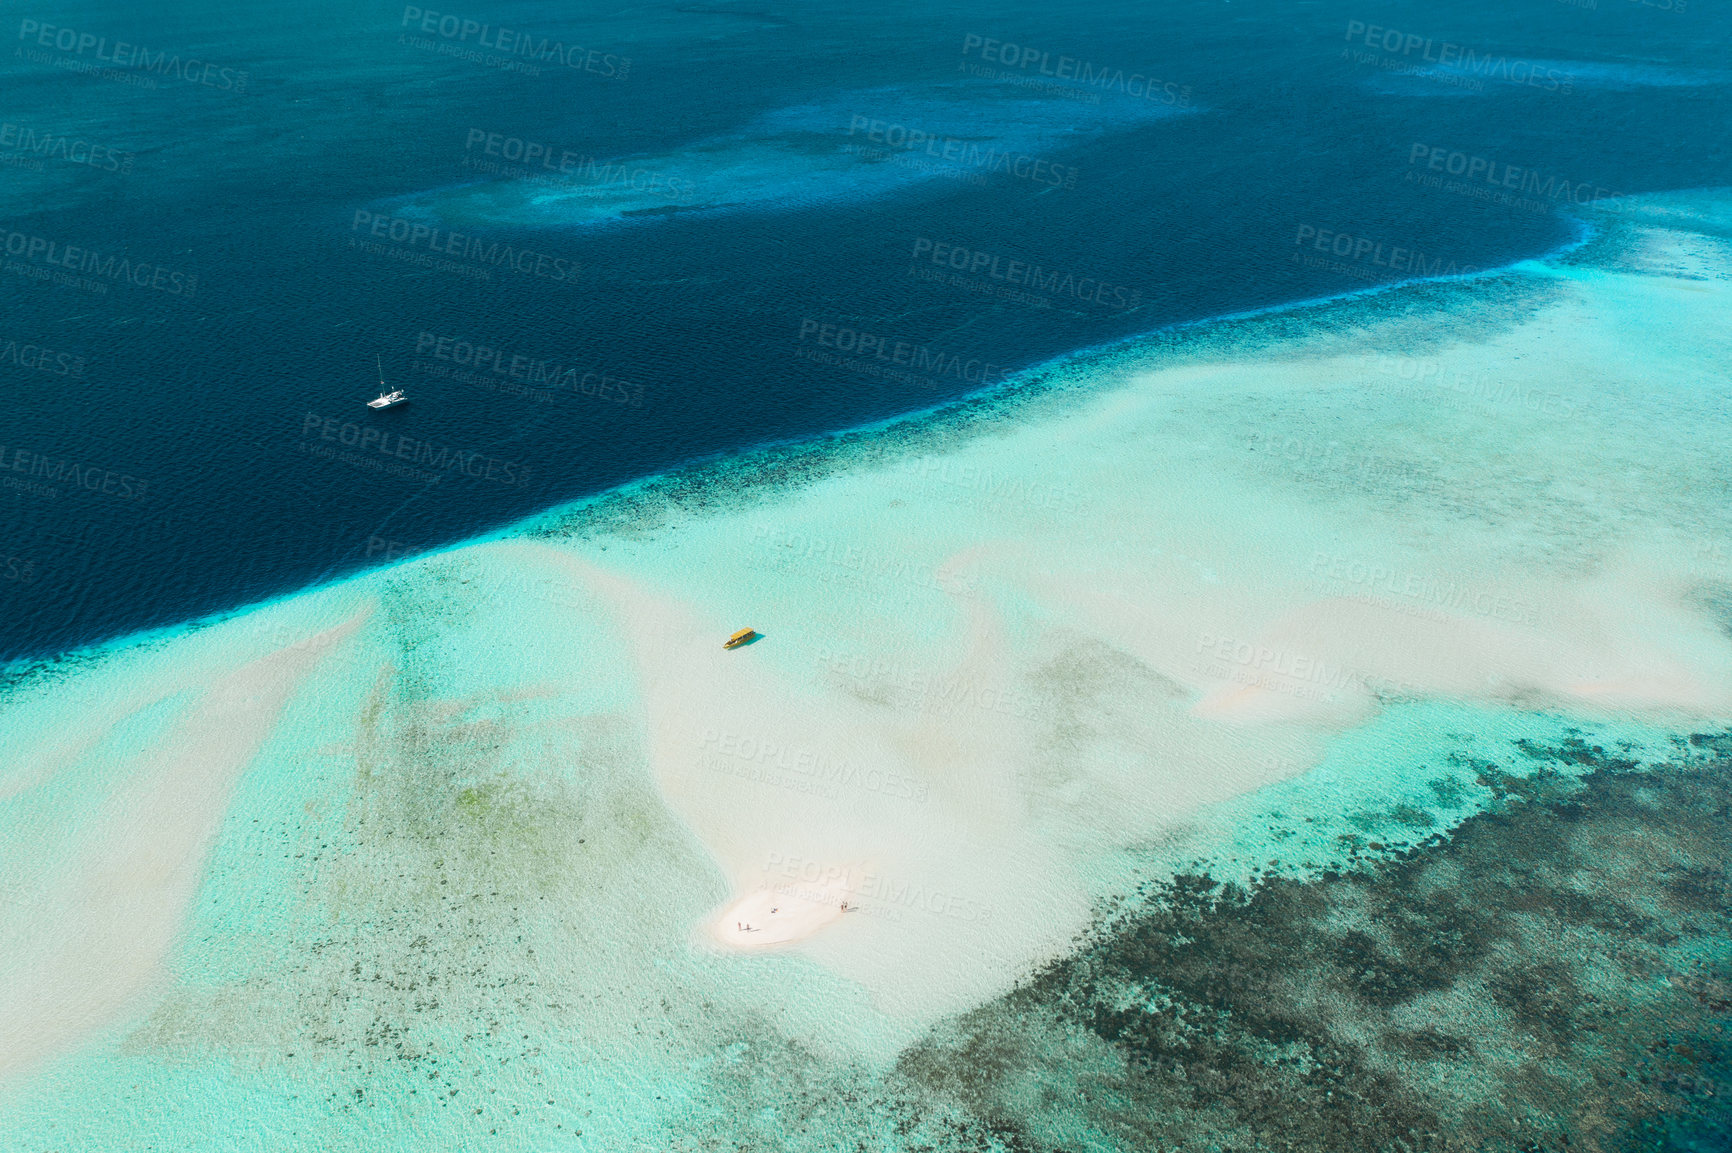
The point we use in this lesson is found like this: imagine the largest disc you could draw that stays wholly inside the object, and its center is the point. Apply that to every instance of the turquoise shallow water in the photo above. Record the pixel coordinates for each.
(1467, 878)
(321, 1001)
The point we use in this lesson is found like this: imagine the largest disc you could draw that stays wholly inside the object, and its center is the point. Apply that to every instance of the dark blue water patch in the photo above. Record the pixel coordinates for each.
(212, 448)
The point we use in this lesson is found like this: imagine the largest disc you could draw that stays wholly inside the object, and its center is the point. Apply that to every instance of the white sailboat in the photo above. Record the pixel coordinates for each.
(385, 399)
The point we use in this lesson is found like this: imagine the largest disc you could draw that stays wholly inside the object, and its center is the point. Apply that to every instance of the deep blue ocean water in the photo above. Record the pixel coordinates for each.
(194, 439)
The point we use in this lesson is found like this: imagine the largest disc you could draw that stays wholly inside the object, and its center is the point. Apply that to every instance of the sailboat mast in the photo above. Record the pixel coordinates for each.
(381, 363)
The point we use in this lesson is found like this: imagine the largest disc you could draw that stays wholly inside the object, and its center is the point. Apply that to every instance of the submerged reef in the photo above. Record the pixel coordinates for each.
(1555, 973)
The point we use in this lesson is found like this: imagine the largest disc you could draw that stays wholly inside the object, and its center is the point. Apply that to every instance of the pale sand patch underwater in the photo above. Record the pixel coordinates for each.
(95, 939)
(1002, 660)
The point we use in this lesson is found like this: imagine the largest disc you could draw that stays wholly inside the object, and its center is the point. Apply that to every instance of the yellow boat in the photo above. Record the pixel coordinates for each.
(739, 638)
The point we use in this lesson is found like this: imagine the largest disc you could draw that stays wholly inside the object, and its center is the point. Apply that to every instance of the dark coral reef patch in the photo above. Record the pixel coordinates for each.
(1555, 973)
